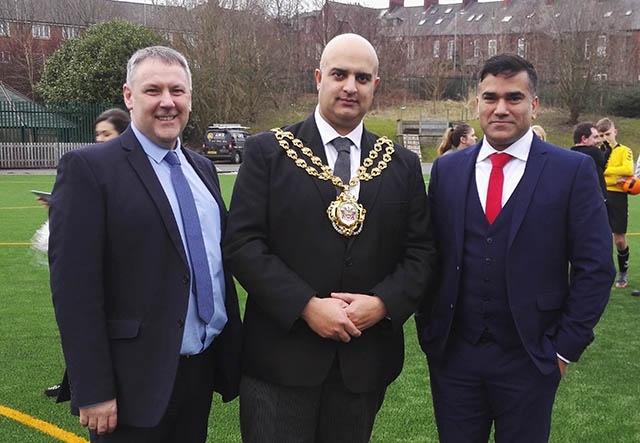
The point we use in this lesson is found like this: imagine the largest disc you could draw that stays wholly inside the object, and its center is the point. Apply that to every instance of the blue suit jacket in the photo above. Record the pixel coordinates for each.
(559, 222)
(120, 281)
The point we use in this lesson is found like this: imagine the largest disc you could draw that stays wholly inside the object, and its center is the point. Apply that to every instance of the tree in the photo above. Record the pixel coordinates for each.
(92, 67)
(575, 54)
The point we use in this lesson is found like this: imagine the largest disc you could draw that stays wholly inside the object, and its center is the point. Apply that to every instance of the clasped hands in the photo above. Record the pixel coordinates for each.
(343, 316)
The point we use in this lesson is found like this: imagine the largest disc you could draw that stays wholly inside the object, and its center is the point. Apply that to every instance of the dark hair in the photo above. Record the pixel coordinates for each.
(117, 117)
(510, 65)
(451, 137)
(582, 130)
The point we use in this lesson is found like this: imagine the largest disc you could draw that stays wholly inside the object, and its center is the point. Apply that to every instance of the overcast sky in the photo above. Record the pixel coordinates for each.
(370, 3)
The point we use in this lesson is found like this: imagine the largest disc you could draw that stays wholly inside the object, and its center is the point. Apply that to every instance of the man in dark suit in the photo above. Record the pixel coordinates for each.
(329, 286)
(148, 318)
(521, 291)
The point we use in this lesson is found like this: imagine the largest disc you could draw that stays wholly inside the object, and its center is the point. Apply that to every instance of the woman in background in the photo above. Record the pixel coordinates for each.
(110, 124)
(540, 132)
(459, 137)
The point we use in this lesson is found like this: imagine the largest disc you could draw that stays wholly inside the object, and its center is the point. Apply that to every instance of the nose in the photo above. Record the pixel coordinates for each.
(501, 107)
(350, 85)
(166, 100)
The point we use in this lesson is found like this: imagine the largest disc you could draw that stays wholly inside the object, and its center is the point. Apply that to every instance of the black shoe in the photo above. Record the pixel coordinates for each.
(52, 391)
(635, 293)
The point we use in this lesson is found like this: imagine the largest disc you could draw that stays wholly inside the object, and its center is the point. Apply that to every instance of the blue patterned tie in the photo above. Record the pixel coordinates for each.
(202, 287)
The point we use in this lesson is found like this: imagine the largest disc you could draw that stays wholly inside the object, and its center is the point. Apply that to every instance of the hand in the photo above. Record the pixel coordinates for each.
(363, 310)
(102, 418)
(563, 365)
(327, 318)
(43, 202)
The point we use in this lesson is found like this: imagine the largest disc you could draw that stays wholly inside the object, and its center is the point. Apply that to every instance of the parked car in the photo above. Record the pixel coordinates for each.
(225, 142)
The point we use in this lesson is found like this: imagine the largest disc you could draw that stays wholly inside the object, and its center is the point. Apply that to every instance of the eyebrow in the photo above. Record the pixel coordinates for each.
(342, 71)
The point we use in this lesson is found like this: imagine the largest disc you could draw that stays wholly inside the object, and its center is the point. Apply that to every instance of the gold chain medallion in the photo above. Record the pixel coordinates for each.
(345, 213)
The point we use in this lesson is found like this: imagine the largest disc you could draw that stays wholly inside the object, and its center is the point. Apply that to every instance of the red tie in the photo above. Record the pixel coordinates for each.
(496, 180)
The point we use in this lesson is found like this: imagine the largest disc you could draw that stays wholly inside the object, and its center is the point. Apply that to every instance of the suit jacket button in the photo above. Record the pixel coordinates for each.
(180, 323)
(185, 279)
(348, 262)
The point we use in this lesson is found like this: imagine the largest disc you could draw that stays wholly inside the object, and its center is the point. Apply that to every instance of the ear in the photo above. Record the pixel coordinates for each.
(318, 75)
(126, 92)
(534, 107)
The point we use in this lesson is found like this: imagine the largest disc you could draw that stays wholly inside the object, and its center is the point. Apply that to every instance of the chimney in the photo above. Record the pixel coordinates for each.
(429, 3)
(394, 4)
(505, 3)
(466, 3)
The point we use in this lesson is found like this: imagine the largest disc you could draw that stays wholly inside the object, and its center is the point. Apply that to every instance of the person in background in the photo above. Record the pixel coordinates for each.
(148, 316)
(459, 137)
(586, 139)
(511, 215)
(540, 132)
(108, 125)
(619, 166)
(328, 290)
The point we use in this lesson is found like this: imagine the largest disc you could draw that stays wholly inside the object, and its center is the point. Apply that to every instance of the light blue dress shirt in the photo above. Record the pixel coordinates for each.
(197, 335)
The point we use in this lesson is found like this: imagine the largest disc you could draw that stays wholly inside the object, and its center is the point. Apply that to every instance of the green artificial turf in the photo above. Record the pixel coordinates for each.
(597, 401)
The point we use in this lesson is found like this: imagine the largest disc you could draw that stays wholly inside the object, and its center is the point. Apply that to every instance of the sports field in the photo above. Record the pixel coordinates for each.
(598, 401)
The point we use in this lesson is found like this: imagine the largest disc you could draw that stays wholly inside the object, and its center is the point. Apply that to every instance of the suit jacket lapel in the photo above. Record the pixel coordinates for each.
(310, 137)
(140, 163)
(369, 189)
(207, 179)
(526, 187)
(462, 189)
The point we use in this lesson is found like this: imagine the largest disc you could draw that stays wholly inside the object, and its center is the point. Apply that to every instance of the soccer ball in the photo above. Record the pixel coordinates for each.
(631, 185)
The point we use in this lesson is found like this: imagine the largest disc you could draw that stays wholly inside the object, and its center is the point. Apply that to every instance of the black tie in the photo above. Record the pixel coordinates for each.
(342, 167)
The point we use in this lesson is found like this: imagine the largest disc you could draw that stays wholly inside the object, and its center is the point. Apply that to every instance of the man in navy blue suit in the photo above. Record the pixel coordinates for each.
(143, 354)
(526, 268)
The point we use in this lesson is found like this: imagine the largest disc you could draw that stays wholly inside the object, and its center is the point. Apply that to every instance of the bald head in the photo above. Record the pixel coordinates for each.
(346, 43)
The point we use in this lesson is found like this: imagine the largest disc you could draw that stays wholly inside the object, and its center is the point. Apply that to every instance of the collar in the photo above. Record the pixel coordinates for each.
(519, 149)
(327, 133)
(154, 151)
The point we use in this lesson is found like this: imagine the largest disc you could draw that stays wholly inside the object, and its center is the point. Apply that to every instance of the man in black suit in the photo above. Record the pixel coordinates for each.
(329, 285)
(526, 268)
(145, 344)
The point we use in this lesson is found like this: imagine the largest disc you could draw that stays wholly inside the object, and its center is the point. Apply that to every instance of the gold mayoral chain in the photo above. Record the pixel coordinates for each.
(345, 213)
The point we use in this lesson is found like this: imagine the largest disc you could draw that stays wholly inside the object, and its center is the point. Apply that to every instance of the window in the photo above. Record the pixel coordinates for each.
(5, 57)
(69, 32)
(492, 48)
(168, 36)
(587, 49)
(602, 46)
(507, 18)
(451, 49)
(41, 31)
(476, 49)
(4, 29)
(436, 49)
(411, 51)
(522, 47)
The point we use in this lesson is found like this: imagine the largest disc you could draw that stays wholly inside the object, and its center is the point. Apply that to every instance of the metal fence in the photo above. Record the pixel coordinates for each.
(33, 155)
(29, 122)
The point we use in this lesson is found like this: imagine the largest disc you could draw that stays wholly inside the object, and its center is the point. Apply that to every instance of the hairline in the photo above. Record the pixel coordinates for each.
(166, 55)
